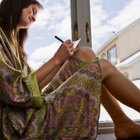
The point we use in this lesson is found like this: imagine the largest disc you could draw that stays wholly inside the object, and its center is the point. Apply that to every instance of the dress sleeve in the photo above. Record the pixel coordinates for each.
(17, 89)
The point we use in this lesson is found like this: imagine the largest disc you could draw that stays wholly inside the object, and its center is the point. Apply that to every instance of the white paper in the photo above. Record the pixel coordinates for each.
(75, 43)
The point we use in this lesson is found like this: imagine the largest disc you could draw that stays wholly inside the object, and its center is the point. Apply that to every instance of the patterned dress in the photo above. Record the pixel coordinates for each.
(67, 109)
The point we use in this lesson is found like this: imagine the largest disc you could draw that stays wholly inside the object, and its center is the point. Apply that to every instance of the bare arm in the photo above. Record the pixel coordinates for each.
(49, 69)
(47, 72)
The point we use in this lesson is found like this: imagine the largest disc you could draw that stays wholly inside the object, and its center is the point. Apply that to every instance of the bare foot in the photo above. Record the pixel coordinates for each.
(127, 130)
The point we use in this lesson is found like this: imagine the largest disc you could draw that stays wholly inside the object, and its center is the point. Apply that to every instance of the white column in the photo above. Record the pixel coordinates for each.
(80, 21)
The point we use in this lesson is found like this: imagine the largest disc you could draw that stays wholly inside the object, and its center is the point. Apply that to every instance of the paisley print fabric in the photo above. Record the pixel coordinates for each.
(67, 109)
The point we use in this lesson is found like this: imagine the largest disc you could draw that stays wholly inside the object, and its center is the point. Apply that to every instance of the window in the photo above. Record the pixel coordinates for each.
(105, 23)
(109, 18)
(112, 55)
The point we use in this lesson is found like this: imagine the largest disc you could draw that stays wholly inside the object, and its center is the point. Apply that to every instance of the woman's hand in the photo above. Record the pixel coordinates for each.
(64, 52)
(47, 71)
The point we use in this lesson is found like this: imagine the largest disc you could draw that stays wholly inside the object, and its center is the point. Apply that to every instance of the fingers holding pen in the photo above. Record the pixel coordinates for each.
(64, 52)
(69, 46)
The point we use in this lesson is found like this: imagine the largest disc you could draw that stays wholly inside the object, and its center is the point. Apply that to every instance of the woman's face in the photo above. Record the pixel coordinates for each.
(28, 15)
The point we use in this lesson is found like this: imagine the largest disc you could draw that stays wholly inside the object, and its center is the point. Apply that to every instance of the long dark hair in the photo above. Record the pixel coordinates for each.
(10, 12)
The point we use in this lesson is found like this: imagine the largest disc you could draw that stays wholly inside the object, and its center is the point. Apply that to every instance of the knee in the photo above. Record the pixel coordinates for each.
(85, 54)
(107, 69)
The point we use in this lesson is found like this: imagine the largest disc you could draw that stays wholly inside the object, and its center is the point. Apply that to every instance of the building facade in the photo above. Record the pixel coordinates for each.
(123, 50)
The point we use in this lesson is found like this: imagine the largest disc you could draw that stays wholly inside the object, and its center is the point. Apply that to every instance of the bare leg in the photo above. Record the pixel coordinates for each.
(119, 86)
(124, 126)
(122, 89)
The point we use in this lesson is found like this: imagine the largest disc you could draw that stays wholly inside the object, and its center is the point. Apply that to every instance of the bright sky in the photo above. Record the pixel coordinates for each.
(107, 16)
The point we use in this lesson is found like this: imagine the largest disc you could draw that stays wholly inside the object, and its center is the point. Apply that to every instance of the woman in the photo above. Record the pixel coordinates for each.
(69, 106)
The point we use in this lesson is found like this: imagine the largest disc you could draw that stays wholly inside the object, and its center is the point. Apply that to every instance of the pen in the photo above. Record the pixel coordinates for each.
(58, 38)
